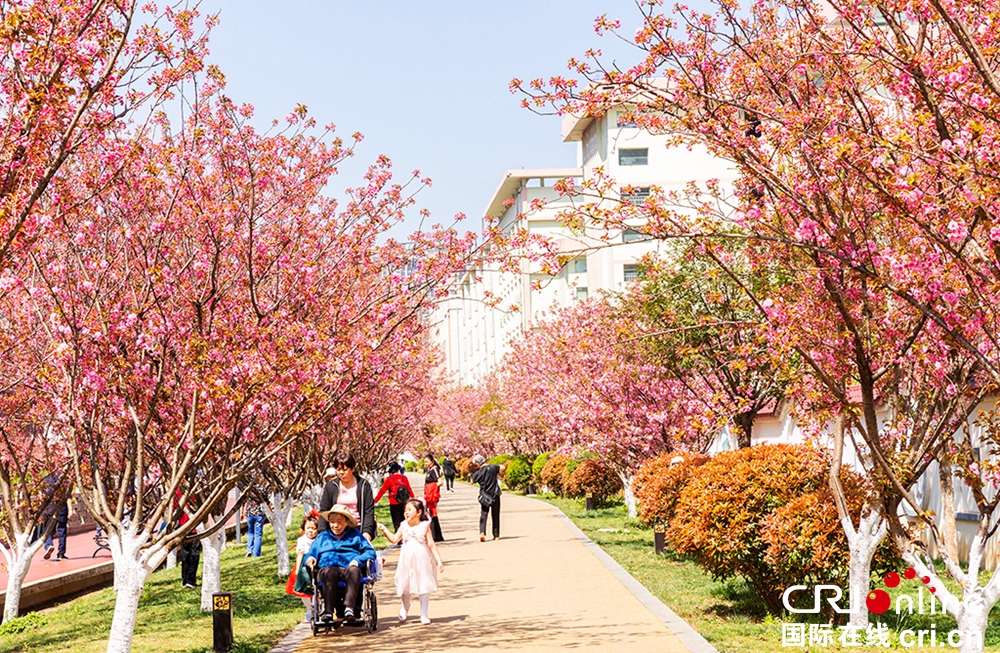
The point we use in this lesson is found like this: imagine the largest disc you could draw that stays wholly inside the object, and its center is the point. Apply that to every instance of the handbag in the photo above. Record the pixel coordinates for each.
(485, 500)
(303, 580)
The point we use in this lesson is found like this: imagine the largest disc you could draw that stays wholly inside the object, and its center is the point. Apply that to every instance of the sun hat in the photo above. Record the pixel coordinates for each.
(330, 472)
(394, 468)
(478, 459)
(340, 509)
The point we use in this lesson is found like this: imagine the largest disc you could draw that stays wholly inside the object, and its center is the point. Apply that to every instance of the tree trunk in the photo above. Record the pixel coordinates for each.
(133, 565)
(862, 545)
(310, 498)
(172, 559)
(744, 430)
(949, 533)
(278, 516)
(18, 563)
(628, 494)
(211, 571)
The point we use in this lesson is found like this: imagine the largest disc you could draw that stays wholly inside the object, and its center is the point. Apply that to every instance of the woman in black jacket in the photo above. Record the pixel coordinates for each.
(489, 496)
(350, 490)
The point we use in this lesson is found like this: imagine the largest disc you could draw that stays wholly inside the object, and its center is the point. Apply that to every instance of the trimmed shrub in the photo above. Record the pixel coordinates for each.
(659, 481)
(592, 475)
(538, 466)
(719, 518)
(518, 473)
(500, 459)
(411, 466)
(465, 468)
(554, 473)
(806, 541)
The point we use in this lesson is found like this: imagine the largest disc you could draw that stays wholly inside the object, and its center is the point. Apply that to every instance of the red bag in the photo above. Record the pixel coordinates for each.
(432, 493)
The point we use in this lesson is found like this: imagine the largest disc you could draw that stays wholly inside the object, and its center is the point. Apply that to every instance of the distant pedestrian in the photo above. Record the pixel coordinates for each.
(432, 494)
(448, 469)
(489, 495)
(415, 571)
(253, 510)
(62, 514)
(350, 490)
(397, 486)
(190, 550)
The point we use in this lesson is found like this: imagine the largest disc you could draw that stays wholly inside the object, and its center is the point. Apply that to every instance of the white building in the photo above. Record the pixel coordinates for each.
(489, 307)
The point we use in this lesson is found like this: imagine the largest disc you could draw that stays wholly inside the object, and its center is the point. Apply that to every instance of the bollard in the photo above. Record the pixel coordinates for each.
(590, 500)
(222, 622)
(659, 538)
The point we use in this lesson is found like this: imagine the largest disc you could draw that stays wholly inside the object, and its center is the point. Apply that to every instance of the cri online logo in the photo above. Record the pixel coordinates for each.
(878, 601)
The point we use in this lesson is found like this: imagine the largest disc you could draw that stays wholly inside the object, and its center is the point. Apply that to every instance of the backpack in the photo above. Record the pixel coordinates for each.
(401, 494)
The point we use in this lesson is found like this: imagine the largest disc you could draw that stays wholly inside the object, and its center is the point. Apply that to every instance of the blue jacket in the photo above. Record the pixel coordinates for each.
(331, 551)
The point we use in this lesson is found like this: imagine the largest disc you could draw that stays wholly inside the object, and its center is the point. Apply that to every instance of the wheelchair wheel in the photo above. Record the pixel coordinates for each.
(315, 628)
(371, 611)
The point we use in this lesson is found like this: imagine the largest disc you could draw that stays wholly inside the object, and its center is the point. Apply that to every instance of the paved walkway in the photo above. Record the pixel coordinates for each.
(538, 588)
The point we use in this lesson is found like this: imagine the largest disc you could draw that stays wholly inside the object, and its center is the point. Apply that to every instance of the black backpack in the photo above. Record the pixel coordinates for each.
(401, 495)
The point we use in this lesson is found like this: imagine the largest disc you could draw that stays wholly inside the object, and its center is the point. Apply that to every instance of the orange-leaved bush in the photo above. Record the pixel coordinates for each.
(659, 481)
(554, 474)
(806, 542)
(593, 476)
(720, 515)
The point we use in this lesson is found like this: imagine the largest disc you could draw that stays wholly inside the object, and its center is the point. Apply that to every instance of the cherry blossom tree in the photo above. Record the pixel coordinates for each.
(579, 382)
(863, 135)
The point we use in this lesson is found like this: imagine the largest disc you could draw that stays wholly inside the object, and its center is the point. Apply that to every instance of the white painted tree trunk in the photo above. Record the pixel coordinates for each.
(971, 610)
(211, 571)
(862, 544)
(18, 562)
(133, 565)
(279, 516)
(628, 494)
(172, 559)
(310, 498)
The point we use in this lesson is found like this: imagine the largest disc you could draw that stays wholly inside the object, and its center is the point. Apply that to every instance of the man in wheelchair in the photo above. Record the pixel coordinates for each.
(339, 554)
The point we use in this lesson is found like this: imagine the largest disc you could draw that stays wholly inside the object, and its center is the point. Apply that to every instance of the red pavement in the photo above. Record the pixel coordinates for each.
(80, 550)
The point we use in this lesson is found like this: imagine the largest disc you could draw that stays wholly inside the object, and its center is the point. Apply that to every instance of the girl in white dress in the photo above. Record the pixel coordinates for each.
(415, 571)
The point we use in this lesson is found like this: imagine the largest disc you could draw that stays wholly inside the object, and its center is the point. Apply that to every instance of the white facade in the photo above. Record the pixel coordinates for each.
(489, 308)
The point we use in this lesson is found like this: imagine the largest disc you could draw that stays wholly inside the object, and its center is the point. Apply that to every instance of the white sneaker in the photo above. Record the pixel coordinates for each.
(402, 615)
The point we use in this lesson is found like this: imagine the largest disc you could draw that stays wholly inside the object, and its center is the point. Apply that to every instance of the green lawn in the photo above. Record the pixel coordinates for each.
(170, 619)
(727, 613)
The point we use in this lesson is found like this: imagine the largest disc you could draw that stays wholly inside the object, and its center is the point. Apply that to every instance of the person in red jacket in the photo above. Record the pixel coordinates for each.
(394, 482)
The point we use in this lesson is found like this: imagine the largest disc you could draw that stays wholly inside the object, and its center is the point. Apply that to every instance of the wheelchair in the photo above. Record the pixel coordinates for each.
(366, 610)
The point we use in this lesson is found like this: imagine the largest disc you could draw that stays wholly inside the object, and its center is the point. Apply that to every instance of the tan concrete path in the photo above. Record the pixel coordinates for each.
(538, 588)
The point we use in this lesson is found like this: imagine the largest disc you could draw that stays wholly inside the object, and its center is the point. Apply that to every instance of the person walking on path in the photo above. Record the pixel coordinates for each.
(254, 513)
(448, 469)
(398, 488)
(415, 571)
(432, 494)
(62, 515)
(352, 491)
(489, 495)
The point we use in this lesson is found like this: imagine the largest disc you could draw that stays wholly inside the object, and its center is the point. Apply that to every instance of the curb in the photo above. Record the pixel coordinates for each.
(684, 632)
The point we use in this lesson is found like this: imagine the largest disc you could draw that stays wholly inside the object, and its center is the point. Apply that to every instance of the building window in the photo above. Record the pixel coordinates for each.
(624, 123)
(633, 157)
(580, 265)
(581, 293)
(637, 197)
(632, 236)
(631, 272)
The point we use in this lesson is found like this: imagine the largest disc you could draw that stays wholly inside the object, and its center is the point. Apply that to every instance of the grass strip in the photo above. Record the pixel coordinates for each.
(727, 613)
(170, 619)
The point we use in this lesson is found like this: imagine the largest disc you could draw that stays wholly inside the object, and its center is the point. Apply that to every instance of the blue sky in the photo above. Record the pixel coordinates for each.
(425, 82)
